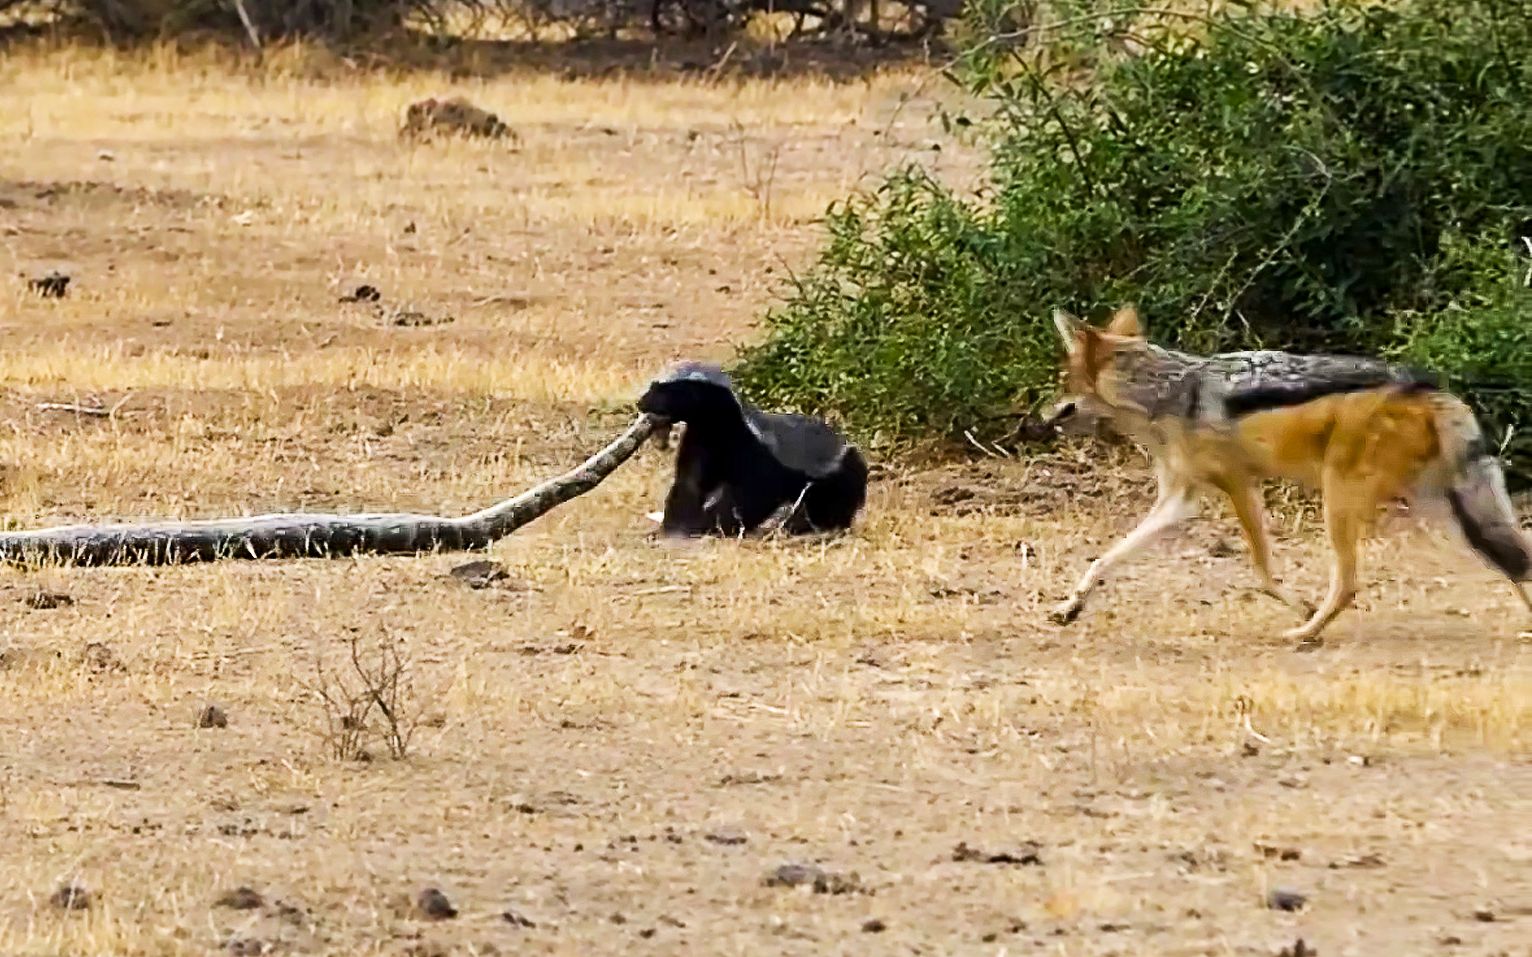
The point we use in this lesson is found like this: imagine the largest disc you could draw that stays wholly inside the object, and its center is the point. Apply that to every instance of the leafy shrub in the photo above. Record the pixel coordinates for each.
(1351, 179)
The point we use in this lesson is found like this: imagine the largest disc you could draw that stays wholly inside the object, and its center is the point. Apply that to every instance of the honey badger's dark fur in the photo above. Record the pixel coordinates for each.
(738, 466)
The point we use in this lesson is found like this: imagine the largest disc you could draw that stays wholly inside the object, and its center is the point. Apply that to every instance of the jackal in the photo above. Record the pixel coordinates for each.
(1362, 431)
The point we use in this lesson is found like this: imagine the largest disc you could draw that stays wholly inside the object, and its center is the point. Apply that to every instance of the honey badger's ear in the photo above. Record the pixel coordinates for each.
(1125, 323)
(1071, 330)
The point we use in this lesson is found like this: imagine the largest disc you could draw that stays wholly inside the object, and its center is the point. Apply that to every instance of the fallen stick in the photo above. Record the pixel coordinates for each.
(313, 535)
(78, 409)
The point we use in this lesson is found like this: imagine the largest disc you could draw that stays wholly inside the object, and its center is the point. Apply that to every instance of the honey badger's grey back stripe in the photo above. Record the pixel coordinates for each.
(810, 446)
(800, 442)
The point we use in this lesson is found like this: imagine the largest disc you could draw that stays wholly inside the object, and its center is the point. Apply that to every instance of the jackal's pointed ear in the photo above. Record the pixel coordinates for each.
(1125, 323)
(1071, 330)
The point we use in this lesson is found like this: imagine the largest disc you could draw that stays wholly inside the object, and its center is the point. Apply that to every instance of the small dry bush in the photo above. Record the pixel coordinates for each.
(371, 698)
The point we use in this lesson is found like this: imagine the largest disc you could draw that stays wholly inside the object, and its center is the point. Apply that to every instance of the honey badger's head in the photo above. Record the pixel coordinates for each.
(692, 392)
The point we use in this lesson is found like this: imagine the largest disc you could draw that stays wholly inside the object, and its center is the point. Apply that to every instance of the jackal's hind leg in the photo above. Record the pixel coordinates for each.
(1251, 513)
(1175, 505)
(1345, 522)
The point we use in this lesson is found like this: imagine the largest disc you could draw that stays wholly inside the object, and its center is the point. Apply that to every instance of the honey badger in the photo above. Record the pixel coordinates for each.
(738, 466)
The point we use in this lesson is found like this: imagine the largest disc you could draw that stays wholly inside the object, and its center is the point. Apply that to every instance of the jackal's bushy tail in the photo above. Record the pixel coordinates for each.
(1477, 495)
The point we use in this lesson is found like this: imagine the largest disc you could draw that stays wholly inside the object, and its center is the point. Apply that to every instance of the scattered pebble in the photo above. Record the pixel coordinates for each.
(1298, 949)
(1484, 915)
(414, 317)
(1357, 861)
(363, 293)
(480, 574)
(873, 926)
(1286, 900)
(434, 905)
(55, 285)
(70, 896)
(811, 875)
(99, 657)
(515, 919)
(451, 116)
(241, 898)
(1028, 853)
(45, 600)
(1271, 852)
(212, 716)
(728, 836)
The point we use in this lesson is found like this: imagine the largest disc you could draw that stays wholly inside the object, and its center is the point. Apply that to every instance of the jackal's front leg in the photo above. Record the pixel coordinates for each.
(1174, 506)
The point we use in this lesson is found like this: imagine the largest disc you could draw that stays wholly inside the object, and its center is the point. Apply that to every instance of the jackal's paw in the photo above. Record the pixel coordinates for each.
(1305, 638)
(1066, 611)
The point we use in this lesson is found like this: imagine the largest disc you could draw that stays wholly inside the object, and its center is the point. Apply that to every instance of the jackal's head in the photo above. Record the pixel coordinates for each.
(1090, 355)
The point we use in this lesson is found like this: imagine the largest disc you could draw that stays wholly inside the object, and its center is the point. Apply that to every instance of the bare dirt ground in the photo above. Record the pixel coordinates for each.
(619, 743)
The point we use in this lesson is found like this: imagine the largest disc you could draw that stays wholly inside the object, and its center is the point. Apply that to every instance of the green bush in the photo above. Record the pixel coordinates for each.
(1352, 179)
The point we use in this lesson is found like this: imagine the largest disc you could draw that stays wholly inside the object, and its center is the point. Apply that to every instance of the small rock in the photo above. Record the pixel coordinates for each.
(1222, 549)
(99, 657)
(434, 905)
(1298, 949)
(415, 318)
(1271, 852)
(873, 926)
(451, 116)
(247, 946)
(480, 574)
(1357, 861)
(728, 837)
(1286, 900)
(363, 293)
(515, 919)
(106, 156)
(45, 600)
(212, 716)
(292, 914)
(1484, 915)
(70, 896)
(811, 875)
(55, 285)
(241, 898)
(1028, 853)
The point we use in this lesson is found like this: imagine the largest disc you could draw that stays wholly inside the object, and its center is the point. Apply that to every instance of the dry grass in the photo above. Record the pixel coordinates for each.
(866, 703)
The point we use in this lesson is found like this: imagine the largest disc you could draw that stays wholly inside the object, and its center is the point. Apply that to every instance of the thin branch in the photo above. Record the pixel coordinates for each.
(96, 410)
